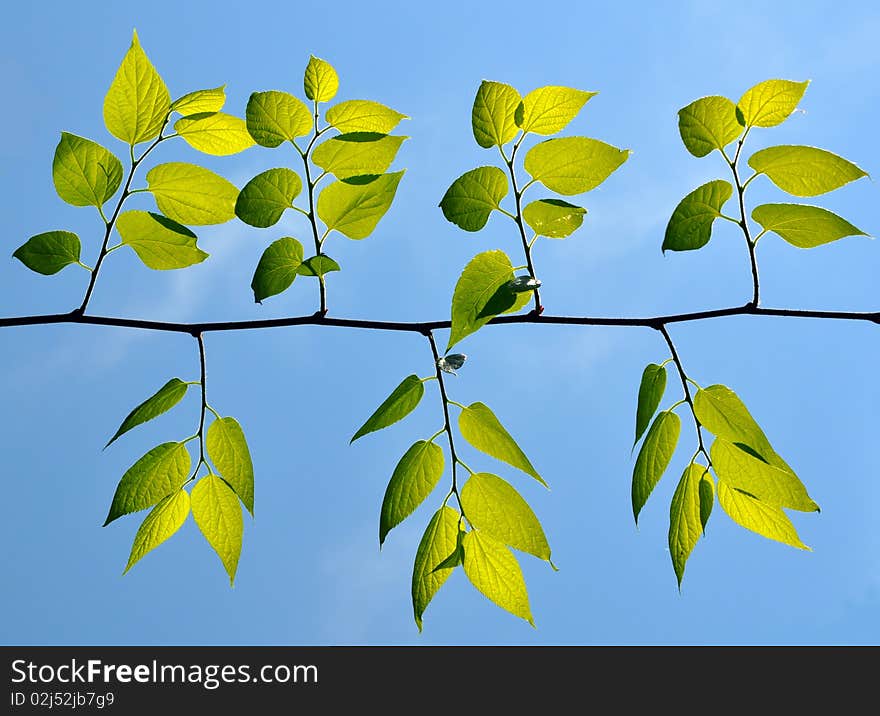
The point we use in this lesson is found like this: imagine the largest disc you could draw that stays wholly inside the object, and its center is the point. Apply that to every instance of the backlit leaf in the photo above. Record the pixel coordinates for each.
(770, 103)
(49, 252)
(553, 218)
(354, 210)
(320, 81)
(215, 133)
(804, 171)
(493, 114)
(159, 473)
(276, 117)
(160, 402)
(472, 198)
(362, 115)
(217, 512)
(414, 478)
(317, 266)
(163, 521)
(159, 242)
(690, 226)
(804, 226)
(277, 269)
(573, 165)
(437, 543)
(200, 101)
(265, 198)
(651, 389)
(191, 194)
(708, 123)
(495, 508)
(753, 514)
(402, 401)
(137, 103)
(357, 154)
(548, 110)
(480, 427)
(654, 457)
(84, 173)
(228, 450)
(685, 518)
(494, 571)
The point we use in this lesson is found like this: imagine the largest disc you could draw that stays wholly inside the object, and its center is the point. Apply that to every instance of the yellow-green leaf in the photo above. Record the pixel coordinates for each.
(472, 198)
(163, 521)
(191, 194)
(159, 242)
(137, 103)
(651, 389)
(200, 101)
(154, 476)
(215, 133)
(493, 570)
(708, 123)
(495, 508)
(438, 542)
(276, 117)
(804, 171)
(573, 165)
(480, 427)
(402, 401)
(690, 226)
(770, 102)
(160, 402)
(49, 252)
(217, 512)
(357, 154)
(277, 268)
(228, 450)
(804, 226)
(84, 173)
(414, 478)
(548, 110)
(493, 114)
(355, 208)
(320, 81)
(267, 196)
(654, 457)
(766, 520)
(685, 517)
(553, 218)
(363, 115)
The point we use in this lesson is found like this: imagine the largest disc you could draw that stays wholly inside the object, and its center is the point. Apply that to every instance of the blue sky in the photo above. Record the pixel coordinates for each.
(311, 571)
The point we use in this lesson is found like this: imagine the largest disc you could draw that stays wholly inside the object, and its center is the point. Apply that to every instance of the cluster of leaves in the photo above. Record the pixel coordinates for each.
(357, 156)
(491, 518)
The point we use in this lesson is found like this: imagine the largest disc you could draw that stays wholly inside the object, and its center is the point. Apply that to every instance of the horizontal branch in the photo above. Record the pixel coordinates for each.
(318, 319)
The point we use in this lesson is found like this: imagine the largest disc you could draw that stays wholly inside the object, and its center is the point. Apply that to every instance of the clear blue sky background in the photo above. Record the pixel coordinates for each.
(311, 571)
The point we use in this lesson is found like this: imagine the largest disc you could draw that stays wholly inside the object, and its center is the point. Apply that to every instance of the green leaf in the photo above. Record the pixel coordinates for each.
(804, 226)
(553, 218)
(766, 520)
(708, 123)
(200, 101)
(49, 252)
(495, 508)
(191, 194)
(215, 133)
(457, 556)
(482, 292)
(769, 103)
(320, 81)
(402, 401)
(277, 268)
(804, 171)
(163, 521)
(414, 478)
(216, 511)
(158, 241)
(160, 402)
(480, 427)
(354, 210)
(153, 477)
(707, 499)
(317, 266)
(493, 114)
(472, 198)
(494, 571)
(276, 117)
(770, 484)
(362, 115)
(690, 226)
(548, 110)
(651, 389)
(573, 165)
(137, 103)
(439, 541)
(685, 517)
(229, 452)
(357, 153)
(654, 457)
(84, 173)
(265, 198)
